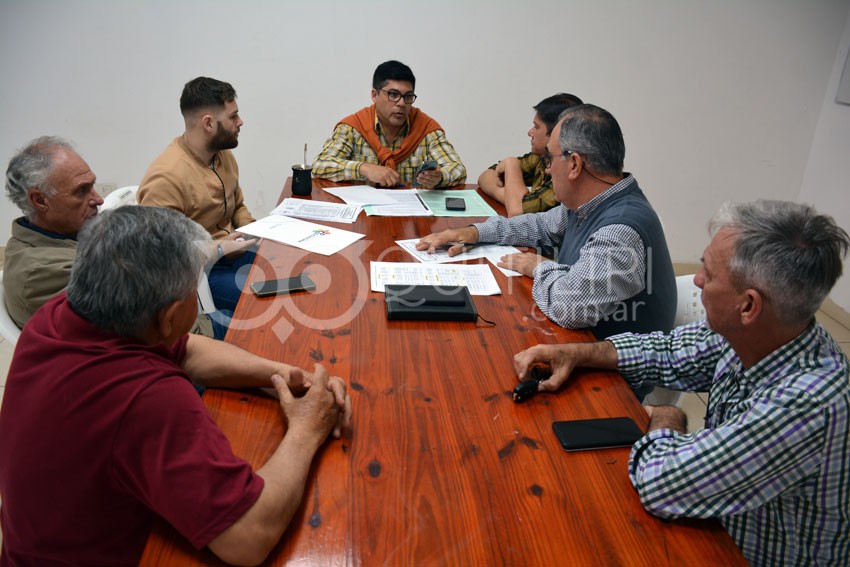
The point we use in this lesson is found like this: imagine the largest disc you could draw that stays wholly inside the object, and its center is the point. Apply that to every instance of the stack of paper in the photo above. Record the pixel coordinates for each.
(317, 210)
(383, 202)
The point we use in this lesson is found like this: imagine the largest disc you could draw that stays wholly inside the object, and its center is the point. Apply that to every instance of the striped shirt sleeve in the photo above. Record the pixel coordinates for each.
(335, 161)
(738, 466)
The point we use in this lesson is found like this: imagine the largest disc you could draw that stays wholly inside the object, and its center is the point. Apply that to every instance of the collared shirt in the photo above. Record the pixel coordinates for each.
(24, 222)
(773, 462)
(346, 150)
(541, 196)
(37, 267)
(572, 295)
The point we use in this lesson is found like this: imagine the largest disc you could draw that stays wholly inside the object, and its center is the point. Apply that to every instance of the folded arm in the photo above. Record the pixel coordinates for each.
(309, 420)
(505, 183)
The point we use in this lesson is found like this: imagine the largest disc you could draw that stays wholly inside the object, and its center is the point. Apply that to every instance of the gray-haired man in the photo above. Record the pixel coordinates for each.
(773, 461)
(54, 188)
(613, 271)
(101, 431)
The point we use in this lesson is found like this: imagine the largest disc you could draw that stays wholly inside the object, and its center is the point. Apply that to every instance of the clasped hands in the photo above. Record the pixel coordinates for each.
(314, 400)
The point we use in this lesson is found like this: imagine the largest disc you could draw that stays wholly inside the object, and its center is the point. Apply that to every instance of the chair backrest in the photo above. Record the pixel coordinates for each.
(8, 329)
(689, 307)
(120, 197)
(205, 298)
(127, 196)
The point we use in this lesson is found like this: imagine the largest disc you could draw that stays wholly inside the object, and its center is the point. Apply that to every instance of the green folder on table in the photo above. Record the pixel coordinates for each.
(476, 206)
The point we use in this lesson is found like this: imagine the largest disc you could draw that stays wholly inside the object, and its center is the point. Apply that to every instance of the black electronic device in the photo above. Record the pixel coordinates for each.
(604, 433)
(286, 285)
(429, 165)
(455, 204)
(528, 388)
(525, 390)
(430, 303)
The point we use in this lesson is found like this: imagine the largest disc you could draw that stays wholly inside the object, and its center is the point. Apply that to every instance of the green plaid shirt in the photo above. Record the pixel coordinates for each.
(540, 197)
(347, 149)
(773, 462)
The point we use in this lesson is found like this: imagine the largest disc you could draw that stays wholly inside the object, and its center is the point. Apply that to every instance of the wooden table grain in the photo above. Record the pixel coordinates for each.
(442, 468)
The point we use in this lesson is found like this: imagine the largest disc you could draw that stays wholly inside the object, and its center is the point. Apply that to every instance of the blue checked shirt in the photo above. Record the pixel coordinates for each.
(773, 462)
(579, 295)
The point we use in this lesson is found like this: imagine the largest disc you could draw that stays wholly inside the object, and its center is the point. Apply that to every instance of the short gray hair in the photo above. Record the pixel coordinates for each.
(595, 135)
(785, 250)
(31, 168)
(132, 262)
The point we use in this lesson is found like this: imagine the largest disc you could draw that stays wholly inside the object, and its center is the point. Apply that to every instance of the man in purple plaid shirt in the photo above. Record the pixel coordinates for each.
(773, 461)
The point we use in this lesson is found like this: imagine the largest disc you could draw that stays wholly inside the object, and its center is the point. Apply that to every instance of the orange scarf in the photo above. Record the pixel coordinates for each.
(420, 125)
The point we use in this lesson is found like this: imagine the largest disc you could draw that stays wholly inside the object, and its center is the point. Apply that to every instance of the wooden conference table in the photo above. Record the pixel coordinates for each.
(442, 467)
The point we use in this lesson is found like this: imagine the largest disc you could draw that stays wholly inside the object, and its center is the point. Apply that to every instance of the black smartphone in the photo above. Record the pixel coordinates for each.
(429, 165)
(455, 204)
(585, 434)
(286, 285)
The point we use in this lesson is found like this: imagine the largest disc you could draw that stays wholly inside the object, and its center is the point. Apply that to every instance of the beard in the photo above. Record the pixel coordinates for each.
(223, 139)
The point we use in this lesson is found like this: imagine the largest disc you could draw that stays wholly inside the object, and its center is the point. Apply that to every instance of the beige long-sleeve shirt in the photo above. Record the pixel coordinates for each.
(209, 194)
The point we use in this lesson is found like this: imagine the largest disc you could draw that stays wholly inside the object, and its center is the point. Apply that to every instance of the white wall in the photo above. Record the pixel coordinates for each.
(826, 183)
(718, 100)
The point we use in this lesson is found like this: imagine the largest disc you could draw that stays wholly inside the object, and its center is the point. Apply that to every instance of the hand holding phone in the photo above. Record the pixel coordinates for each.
(429, 165)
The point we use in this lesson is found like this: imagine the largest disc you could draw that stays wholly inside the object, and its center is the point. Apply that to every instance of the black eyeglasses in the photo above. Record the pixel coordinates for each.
(547, 159)
(394, 96)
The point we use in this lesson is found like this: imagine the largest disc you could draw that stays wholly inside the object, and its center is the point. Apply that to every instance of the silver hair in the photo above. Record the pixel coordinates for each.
(786, 251)
(595, 135)
(30, 168)
(132, 262)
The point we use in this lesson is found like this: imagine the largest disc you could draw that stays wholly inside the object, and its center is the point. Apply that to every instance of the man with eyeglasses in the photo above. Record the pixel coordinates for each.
(613, 271)
(388, 143)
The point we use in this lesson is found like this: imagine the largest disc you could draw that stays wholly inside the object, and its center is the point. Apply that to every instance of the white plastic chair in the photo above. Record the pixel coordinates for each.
(127, 196)
(688, 309)
(8, 329)
(119, 197)
(205, 298)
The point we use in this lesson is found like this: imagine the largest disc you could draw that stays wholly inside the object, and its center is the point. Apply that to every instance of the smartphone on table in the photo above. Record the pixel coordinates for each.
(269, 288)
(604, 433)
(455, 204)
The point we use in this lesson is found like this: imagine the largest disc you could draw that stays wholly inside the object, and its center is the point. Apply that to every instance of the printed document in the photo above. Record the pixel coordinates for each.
(317, 210)
(407, 203)
(362, 195)
(477, 277)
(308, 236)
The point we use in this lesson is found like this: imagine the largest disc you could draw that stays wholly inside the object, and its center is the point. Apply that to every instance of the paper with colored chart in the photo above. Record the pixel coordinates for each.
(308, 236)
